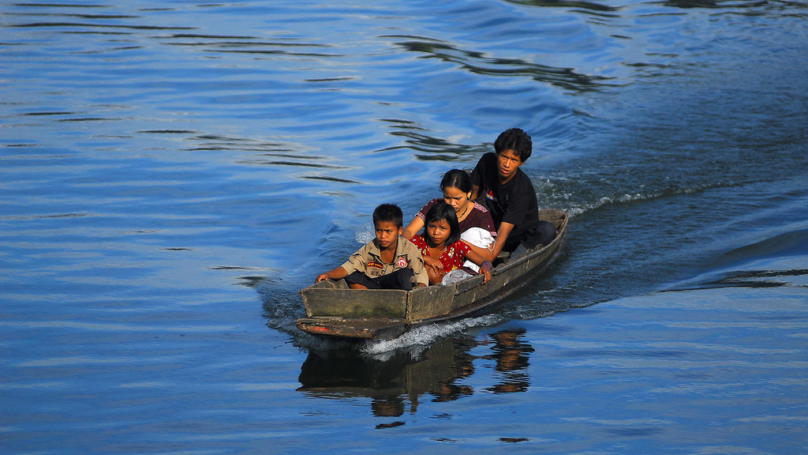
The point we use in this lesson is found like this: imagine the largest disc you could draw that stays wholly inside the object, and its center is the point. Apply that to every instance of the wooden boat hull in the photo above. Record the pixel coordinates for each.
(334, 310)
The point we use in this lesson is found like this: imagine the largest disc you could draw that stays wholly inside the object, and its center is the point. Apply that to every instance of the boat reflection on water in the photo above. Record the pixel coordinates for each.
(407, 375)
(512, 359)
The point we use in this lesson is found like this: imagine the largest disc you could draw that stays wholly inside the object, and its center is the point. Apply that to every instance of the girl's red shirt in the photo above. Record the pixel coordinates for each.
(453, 256)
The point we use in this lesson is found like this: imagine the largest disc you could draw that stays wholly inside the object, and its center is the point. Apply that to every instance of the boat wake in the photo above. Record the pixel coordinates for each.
(426, 335)
(781, 260)
(557, 193)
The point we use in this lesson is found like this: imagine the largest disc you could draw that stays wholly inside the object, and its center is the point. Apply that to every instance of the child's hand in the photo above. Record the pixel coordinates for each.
(436, 268)
(435, 274)
(321, 277)
(433, 262)
(486, 275)
(485, 269)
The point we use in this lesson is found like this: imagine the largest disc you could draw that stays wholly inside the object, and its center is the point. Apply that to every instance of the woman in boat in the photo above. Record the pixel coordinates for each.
(476, 225)
(441, 240)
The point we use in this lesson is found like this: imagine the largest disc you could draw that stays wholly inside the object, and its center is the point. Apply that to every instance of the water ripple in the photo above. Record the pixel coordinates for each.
(479, 63)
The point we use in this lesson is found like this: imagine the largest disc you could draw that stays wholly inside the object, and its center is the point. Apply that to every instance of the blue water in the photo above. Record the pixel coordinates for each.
(173, 172)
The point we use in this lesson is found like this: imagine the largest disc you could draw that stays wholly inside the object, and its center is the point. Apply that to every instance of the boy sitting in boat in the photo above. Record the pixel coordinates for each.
(387, 262)
(508, 194)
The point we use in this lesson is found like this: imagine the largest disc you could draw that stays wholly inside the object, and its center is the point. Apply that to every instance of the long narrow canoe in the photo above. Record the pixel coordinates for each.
(335, 311)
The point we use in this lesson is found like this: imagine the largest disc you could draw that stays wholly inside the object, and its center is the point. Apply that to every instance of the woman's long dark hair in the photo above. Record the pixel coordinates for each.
(443, 211)
(456, 178)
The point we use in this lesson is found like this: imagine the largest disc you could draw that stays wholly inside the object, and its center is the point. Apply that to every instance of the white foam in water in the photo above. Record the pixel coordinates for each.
(365, 234)
(425, 335)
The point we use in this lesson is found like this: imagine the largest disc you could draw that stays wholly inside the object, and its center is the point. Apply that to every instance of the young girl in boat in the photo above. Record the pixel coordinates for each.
(476, 225)
(441, 240)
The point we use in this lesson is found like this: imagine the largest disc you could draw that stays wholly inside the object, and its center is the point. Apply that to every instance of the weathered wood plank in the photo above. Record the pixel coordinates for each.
(381, 303)
(430, 302)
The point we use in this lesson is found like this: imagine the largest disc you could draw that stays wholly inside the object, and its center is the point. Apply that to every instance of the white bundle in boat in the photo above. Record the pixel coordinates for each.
(478, 237)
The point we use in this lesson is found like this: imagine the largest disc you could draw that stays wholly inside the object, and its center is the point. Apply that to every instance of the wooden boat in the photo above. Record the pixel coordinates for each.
(335, 311)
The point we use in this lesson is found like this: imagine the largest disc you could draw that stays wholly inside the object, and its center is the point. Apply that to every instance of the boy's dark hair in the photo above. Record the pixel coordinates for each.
(456, 178)
(388, 213)
(517, 140)
(443, 211)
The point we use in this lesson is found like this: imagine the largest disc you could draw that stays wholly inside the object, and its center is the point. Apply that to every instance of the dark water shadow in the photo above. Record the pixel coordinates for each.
(601, 9)
(405, 377)
(715, 4)
(635, 432)
(753, 279)
(83, 25)
(735, 268)
(578, 5)
(794, 243)
(479, 63)
(428, 147)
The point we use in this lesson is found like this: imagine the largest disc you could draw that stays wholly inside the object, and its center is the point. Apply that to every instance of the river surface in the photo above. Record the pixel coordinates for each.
(173, 172)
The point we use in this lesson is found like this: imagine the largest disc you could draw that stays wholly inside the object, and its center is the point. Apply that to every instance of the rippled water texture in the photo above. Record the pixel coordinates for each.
(173, 172)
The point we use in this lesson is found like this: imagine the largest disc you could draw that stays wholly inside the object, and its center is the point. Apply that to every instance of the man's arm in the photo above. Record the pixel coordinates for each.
(477, 180)
(475, 192)
(502, 235)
